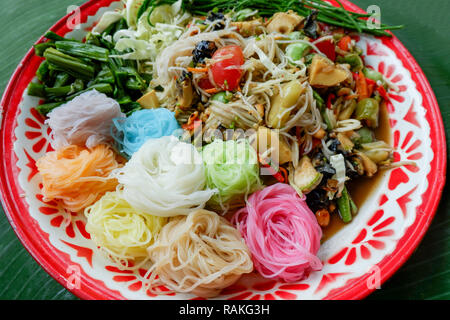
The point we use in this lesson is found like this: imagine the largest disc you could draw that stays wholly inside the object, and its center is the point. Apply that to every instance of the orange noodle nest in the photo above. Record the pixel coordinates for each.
(77, 176)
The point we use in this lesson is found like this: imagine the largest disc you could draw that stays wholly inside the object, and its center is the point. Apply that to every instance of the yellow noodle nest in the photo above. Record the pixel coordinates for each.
(200, 253)
(121, 230)
(77, 176)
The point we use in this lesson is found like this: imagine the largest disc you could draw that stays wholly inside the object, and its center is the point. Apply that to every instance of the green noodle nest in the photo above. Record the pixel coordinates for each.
(232, 169)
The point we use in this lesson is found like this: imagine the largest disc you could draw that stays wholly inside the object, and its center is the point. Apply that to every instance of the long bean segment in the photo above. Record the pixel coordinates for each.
(337, 16)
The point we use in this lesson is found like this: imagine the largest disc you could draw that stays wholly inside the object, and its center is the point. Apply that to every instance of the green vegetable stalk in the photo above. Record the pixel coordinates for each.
(61, 79)
(83, 50)
(44, 109)
(73, 66)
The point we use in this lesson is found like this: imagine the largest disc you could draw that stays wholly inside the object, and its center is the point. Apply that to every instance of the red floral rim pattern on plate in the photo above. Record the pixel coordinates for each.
(24, 137)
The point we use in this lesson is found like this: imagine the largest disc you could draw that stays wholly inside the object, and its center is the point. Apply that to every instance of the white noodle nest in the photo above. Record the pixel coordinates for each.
(165, 177)
(85, 120)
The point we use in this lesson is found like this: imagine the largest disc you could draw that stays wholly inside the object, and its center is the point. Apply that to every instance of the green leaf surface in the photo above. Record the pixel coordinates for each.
(426, 275)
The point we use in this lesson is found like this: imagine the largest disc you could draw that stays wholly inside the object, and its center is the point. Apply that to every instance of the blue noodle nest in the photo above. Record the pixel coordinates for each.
(132, 132)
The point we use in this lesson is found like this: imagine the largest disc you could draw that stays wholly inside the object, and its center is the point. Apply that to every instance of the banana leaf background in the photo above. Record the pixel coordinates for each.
(426, 275)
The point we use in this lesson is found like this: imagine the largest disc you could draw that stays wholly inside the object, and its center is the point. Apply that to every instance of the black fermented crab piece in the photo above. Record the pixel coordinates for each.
(327, 170)
(334, 146)
(310, 28)
(317, 199)
(203, 50)
(318, 159)
(349, 169)
(213, 16)
(185, 75)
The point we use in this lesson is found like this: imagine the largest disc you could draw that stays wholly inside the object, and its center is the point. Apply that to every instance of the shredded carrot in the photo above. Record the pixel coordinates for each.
(284, 174)
(370, 89)
(316, 142)
(361, 87)
(197, 70)
(273, 172)
(298, 131)
(350, 97)
(212, 90)
(344, 43)
(191, 126)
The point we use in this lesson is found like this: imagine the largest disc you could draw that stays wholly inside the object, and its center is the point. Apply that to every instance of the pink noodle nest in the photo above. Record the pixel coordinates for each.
(281, 232)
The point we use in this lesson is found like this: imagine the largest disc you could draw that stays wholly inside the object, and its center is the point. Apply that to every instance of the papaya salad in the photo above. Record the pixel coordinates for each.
(203, 140)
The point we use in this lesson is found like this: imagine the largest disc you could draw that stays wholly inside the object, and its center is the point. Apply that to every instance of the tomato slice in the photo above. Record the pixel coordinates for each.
(205, 84)
(327, 48)
(226, 72)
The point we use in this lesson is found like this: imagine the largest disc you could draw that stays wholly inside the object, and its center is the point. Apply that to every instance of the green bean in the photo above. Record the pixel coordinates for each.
(224, 97)
(319, 99)
(296, 51)
(344, 207)
(368, 110)
(327, 120)
(353, 206)
(353, 21)
(372, 74)
(353, 60)
(365, 135)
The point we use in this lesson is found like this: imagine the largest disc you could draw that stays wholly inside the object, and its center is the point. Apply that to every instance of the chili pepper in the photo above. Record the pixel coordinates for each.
(331, 96)
(284, 174)
(205, 84)
(275, 174)
(370, 81)
(382, 91)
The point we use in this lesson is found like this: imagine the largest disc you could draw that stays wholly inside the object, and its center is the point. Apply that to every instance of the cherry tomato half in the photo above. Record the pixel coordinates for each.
(226, 73)
(205, 84)
(327, 48)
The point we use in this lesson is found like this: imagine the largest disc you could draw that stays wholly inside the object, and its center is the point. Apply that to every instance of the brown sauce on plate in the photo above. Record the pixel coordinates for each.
(363, 187)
